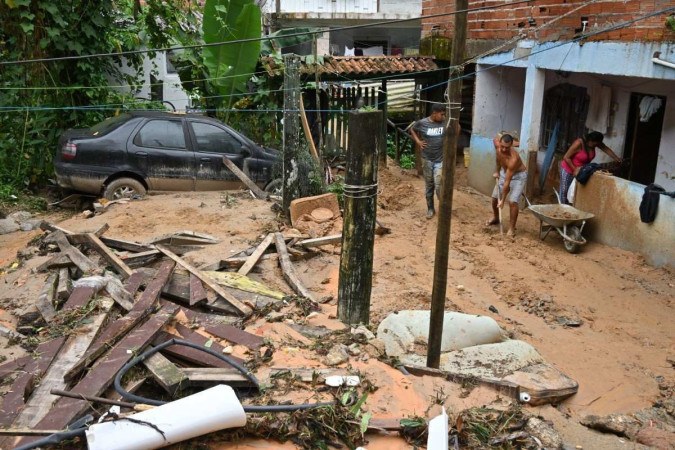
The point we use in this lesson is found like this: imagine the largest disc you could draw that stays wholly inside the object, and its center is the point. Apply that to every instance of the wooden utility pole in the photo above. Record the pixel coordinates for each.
(358, 229)
(447, 186)
(291, 147)
(382, 101)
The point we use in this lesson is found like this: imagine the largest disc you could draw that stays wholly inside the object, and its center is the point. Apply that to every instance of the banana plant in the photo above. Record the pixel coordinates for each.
(231, 65)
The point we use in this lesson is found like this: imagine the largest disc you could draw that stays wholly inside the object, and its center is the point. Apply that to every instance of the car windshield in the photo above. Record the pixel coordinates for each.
(109, 124)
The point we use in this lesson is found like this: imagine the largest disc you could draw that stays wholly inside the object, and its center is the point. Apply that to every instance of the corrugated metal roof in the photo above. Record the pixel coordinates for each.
(361, 66)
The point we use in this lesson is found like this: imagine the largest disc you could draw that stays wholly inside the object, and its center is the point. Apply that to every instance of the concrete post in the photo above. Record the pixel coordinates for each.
(533, 101)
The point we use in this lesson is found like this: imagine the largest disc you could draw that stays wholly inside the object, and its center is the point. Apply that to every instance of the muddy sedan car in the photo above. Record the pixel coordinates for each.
(137, 152)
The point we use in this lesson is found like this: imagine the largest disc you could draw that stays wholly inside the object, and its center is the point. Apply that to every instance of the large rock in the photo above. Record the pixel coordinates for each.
(20, 216)
(405, 331)
(8, 226)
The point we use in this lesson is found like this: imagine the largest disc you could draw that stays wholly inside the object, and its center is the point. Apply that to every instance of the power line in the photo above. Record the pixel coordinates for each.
(262, 38)
(494, 66)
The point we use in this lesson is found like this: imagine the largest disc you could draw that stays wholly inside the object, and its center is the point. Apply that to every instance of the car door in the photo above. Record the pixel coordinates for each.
(211, 143)
(159, 149)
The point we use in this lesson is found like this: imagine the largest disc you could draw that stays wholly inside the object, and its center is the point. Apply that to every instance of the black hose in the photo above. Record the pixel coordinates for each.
(53, 439)
(257, 408)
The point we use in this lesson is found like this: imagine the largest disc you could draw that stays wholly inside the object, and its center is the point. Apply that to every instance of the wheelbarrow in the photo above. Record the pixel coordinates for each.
(567, 220)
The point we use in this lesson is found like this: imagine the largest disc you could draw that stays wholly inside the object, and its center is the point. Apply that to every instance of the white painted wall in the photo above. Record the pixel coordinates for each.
(172, 90)
(498, 101)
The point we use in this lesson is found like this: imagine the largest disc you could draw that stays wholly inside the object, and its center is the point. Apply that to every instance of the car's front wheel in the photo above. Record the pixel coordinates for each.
(124, 188)
(275, 187)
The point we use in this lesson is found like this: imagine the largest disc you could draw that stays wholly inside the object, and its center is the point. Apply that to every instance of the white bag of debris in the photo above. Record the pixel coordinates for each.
(401, 332)
(211, 410)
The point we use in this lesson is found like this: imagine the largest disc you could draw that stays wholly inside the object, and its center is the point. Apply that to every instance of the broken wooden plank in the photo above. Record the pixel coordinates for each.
(45, 301)
(141, 259)
(47, 226)
(15, 399)
(233, 262)
(209, 376)
(115, 330)
(119, 293)
(101, 231)
(326, 240)
(41, 401)
(236, 336)
(198, 234)
(257, 192)
(64, 288)
(206, 319)
(134, 282)
(78, 258)
(79, 297)
(243, 283)
(288, 270)
(255, 256)
(197, 292)
(10, 367)
(103, 373)
(130, 246)
(107, 254)
(58, 261)
(192, 355)
(239, 306)
(165, 373)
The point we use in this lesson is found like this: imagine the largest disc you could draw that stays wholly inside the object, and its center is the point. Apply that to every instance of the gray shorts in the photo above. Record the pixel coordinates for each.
(518, 181)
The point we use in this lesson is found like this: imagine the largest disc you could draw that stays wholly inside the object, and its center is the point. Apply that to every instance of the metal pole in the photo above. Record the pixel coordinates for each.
(447, 186)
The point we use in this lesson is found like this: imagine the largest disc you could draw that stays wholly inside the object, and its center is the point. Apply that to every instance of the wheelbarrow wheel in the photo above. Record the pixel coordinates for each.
(574, 233)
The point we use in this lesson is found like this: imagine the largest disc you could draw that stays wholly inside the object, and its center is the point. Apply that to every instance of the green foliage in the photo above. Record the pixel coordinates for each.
(337, 187)
(407, 151)
(230, 65)
(40, 100)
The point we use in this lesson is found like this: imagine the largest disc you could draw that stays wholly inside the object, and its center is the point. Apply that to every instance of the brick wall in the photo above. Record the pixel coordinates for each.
(508, 21)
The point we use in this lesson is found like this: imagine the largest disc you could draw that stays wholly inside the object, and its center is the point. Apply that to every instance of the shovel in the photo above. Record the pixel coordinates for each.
(499, 197)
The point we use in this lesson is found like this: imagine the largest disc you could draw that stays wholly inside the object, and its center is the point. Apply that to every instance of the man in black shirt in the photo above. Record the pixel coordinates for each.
(428, 134)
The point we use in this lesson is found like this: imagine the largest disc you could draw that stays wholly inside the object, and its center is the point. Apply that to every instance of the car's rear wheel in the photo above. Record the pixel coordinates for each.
(124, 188)
(275, 187)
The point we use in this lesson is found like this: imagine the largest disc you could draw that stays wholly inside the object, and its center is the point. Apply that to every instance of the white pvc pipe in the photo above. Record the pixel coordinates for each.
(211, 410)
(663, 62)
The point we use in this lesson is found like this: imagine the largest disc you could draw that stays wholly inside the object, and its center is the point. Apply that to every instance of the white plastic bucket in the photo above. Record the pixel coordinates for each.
(211, 410)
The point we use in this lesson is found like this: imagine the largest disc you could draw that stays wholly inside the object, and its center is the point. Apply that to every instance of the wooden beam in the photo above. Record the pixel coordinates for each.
(239, 306)
(288, 270)
(115, 330)
(308, 132)
(64, 288)
(197, 292)
(209, 376)
(41, 401)
(236, 336)
(130, 246)
(10, 367)
(15, 399)
(102, 374)
(58, 261)
(141, 259)
(192, 355)
(317, 242)
(165, 373)
(259, 193)
(112, 259)
(78, 258)
(45, 301)
(252, 260)
(120, 294)
(78, 298)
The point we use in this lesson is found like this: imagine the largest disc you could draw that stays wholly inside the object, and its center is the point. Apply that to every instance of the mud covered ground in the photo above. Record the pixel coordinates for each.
(622, 309)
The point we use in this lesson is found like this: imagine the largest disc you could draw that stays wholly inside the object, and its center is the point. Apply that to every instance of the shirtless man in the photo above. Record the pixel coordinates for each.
(512, 175)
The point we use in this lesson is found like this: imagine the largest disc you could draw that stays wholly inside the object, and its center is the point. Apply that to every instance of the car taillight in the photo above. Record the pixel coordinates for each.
(69, 150)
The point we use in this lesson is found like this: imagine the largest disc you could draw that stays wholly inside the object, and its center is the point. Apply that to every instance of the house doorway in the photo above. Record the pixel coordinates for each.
(643, 137)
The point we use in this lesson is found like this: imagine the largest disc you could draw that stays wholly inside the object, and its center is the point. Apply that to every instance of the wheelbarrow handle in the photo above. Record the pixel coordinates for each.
(557, 196)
